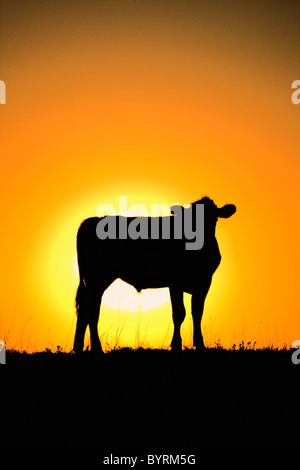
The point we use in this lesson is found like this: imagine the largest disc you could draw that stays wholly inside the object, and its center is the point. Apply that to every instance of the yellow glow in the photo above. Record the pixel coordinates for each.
(162, 104)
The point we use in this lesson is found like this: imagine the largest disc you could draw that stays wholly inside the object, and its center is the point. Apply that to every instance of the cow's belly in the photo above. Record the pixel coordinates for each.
(145, 281)
(160, 276)
(150, 271)
(142, 283)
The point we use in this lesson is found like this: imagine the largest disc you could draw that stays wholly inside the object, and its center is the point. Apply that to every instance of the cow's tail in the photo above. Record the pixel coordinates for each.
(80, 261)
(80, 293)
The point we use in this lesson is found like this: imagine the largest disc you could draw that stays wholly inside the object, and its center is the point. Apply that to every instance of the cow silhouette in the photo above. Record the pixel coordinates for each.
(147, 263)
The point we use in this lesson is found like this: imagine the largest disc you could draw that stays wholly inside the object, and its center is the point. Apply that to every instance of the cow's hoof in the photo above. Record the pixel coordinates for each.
(97, 352)
(176, 348)
(78, 351)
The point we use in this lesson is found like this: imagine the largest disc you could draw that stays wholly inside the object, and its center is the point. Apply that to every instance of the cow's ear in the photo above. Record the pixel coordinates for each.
(176, 209)
(226, 211)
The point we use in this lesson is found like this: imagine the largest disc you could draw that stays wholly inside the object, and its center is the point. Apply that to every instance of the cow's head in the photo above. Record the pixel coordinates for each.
(211, 210)
(211, 213)
(226, 211)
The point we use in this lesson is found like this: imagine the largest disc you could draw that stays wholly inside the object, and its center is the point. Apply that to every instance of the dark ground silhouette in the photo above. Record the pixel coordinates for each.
(151, 400)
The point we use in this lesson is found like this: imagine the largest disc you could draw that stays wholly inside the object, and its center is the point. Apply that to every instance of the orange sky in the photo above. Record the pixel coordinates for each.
(163, 102)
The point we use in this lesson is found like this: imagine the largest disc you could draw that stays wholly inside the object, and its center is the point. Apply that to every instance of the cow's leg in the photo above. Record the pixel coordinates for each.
(82, 317)
(198, 300)
(88, 301)
(79, 334)
(94, 310)
(178, 310)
